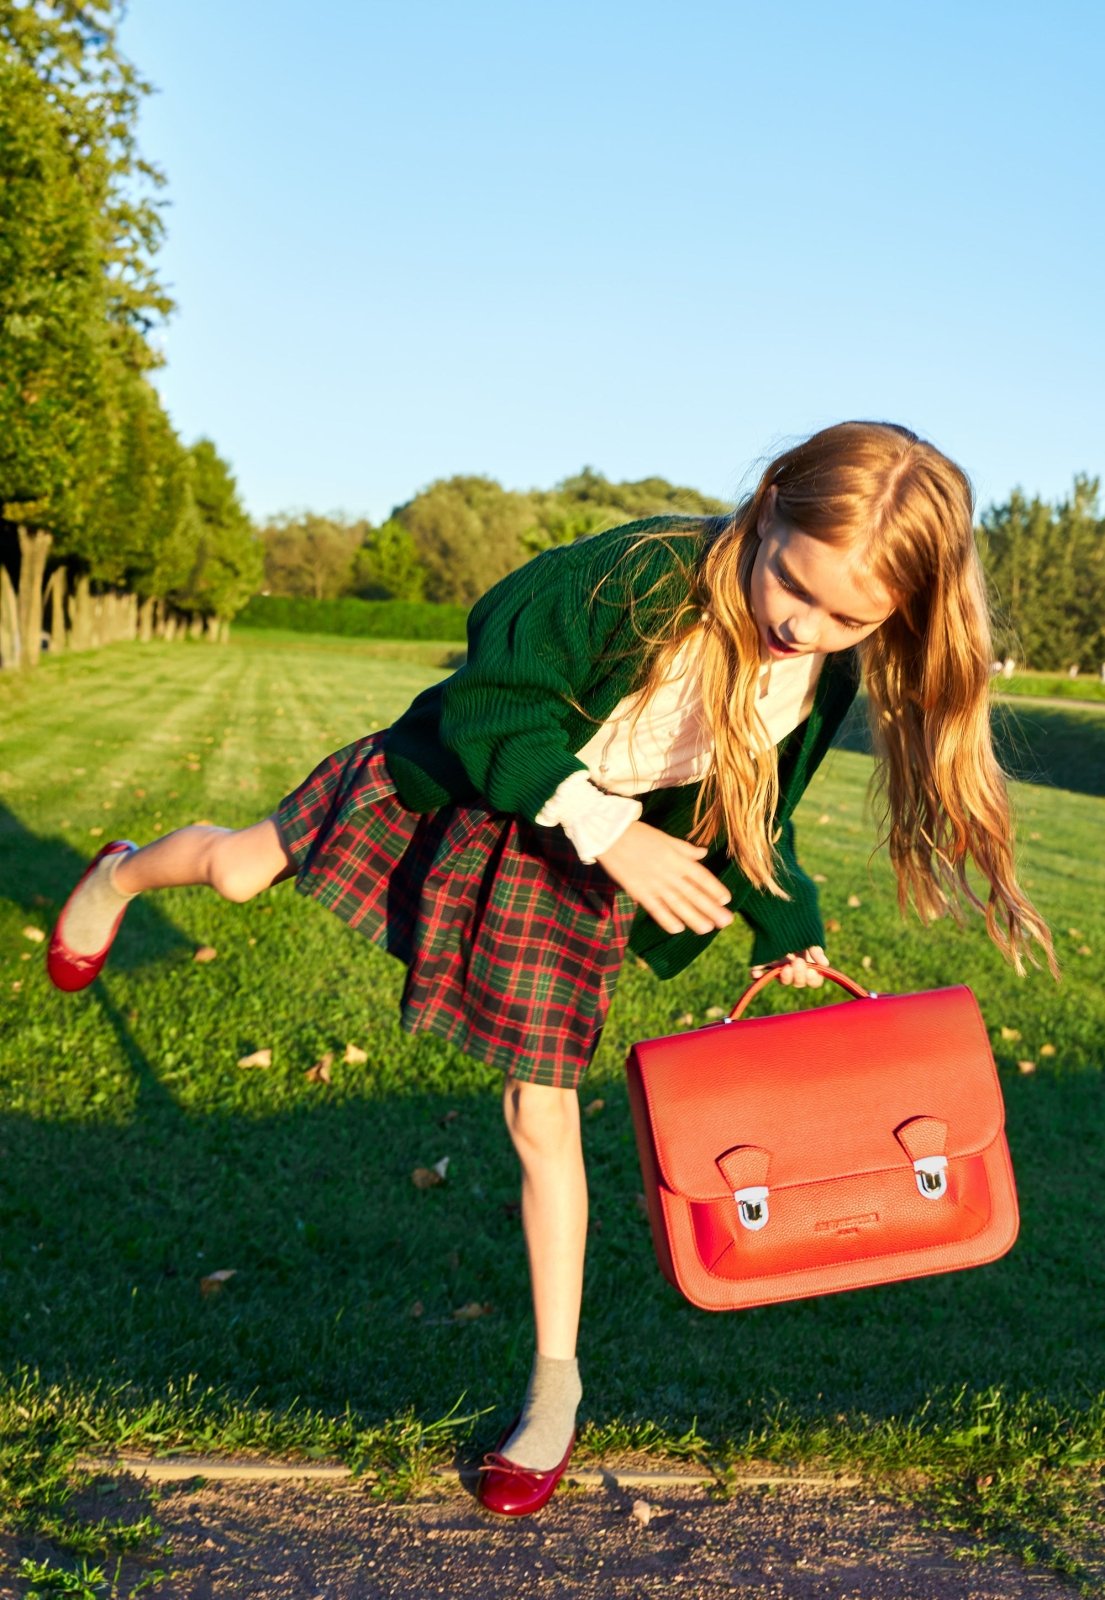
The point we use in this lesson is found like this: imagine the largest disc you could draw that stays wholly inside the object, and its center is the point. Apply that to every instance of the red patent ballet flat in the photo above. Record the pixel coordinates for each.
(68, 970)
(515, 1491)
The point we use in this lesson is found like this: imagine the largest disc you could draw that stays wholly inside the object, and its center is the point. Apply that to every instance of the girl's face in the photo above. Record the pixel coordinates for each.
(806, 596)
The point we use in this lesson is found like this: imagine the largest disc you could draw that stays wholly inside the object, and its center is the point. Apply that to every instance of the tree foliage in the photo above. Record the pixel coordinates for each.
(1046, 569)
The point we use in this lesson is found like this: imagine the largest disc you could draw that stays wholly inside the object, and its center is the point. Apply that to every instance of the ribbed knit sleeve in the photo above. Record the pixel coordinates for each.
(530, 642)
(781, 926)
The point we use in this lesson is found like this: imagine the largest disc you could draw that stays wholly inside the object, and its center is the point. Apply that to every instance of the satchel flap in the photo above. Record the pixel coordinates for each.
(824, 1091)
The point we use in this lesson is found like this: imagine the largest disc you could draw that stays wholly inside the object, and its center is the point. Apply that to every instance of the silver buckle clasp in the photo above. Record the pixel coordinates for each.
(752, 1206)
(932, 1176)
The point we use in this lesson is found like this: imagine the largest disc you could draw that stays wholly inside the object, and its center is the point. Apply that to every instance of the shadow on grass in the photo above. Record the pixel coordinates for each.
(1059, 747)
(347, 1279)
(38, 872)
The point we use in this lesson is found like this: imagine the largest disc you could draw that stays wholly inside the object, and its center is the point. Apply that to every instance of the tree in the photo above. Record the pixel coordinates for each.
(387, 566)
(227, 560)
(468, 533)
(310, 555)
(53, 370)
(77, 291)
(1046, 570)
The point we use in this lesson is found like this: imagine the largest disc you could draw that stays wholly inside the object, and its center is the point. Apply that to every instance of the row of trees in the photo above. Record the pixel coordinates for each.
(456, 538)
(94, 482)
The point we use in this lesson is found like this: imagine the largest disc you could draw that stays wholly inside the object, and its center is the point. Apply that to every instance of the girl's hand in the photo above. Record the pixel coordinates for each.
(796, 969)
(664, 875)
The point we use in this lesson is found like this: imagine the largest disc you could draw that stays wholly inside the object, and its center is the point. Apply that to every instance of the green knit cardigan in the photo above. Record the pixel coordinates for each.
(497, 732)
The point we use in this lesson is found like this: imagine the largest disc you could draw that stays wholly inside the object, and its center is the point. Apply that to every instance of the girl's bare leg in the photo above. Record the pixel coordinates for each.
(236, 862)
(544, 1127)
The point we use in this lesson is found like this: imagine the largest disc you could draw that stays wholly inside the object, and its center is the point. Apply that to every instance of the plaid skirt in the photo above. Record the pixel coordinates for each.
(512, 945)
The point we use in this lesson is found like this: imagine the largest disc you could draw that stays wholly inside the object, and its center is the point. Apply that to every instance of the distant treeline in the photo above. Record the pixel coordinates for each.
(456, 538)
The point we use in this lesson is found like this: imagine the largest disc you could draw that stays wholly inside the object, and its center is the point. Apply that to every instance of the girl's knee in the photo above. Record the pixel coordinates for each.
(540, 1118)
(243, 862)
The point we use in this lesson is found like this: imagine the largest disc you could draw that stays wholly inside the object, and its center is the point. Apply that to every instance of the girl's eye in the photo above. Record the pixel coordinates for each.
(854, 627)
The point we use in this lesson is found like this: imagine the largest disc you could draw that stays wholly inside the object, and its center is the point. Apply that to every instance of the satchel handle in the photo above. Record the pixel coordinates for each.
(856, 990)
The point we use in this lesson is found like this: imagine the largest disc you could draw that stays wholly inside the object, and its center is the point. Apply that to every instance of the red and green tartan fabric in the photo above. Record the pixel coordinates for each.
(512, 945)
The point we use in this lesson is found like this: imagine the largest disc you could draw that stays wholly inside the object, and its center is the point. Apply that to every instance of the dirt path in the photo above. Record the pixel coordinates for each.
(236, 1541)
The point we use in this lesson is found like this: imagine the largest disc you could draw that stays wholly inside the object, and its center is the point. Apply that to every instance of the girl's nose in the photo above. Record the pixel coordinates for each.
(800, 631)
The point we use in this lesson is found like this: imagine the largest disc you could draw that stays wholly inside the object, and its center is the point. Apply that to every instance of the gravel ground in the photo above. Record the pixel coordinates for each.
(286, 1542)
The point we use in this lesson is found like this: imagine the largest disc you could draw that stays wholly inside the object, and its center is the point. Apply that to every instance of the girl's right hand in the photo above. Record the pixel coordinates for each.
(664, 875)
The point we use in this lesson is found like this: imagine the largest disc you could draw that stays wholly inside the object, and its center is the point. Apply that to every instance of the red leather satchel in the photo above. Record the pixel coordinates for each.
(850, 1144)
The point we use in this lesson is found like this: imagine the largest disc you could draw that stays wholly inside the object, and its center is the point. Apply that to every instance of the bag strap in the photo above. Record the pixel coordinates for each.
(856, 990)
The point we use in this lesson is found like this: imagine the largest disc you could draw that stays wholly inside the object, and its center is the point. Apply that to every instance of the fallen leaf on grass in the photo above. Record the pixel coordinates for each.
(819, 877)
(416, 1310)
(866, 963)
(214, 1281)
(686, 1020)
(1084, 950)
(430, 1177)
(1027, 1066)
(95, 832)
(35, 935)
(642, 1512)
(206, 952)
(1076, 933)
(320, 1072)
(1009, 1034)
(832, 925)
(450, 1116)
(715, 1012)
(17, 985)
(354, 1056)
(259, 1058)
(593, 1107)
(823, 818)
(472, 1310)
(1047, 1049)
(854, 901)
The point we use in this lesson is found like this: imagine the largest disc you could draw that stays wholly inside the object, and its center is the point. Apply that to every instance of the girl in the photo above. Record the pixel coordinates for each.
(614, 768)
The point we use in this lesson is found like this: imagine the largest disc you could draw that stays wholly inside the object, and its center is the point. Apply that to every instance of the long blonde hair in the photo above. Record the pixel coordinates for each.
(908, 509)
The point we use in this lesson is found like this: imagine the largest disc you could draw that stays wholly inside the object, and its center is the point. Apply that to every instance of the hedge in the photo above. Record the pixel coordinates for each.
(366, 619)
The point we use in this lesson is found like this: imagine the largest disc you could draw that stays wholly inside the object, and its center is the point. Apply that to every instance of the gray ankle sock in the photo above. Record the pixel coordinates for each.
(548, 1415)
(90, 918)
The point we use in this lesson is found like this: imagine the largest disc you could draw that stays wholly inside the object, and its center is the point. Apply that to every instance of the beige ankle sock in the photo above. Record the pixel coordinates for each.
(91, 917)
(548, 1415)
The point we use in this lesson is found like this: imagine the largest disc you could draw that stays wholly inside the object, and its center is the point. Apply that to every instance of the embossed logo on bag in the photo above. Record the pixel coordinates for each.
(847, 1224)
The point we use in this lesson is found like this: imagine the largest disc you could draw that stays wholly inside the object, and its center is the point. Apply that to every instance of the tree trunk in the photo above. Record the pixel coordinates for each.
(33, 550)
(80, 615)
(54, 598)
(9, 622)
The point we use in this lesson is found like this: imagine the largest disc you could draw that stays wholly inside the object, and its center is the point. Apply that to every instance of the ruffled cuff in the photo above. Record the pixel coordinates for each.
(591, 818)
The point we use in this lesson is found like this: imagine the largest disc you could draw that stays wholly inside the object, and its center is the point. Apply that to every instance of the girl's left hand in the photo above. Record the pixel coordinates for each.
(798, 969)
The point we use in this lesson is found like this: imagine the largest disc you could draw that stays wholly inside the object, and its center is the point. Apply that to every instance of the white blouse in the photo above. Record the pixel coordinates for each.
(670, 746)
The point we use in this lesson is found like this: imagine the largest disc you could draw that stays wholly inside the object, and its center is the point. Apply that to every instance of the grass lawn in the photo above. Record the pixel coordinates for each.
(138, 1158)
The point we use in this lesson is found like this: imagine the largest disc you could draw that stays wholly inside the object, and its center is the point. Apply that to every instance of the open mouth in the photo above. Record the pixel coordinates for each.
(777, 644)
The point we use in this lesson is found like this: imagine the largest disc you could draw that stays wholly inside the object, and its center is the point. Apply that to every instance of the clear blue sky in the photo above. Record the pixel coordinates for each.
(493, 236)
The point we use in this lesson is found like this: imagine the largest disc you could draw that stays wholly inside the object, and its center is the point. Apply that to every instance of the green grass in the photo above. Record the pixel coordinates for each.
(136, 1157)
(1084, 687)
